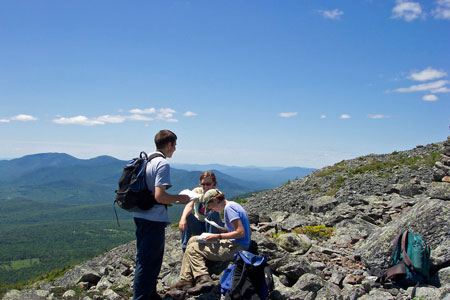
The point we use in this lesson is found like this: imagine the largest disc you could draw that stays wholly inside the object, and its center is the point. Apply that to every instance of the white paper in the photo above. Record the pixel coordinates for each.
(190, 193)
(215, 224)
(202, 238)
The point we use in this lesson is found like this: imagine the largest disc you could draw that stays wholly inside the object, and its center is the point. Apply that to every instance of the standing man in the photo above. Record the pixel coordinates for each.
(150, 224)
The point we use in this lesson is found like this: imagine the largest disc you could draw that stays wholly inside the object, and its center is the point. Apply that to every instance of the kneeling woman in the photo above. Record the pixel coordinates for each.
(238, 237)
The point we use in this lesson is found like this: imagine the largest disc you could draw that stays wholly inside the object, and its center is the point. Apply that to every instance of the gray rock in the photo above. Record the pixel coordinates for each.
(318, 265)
(353, 292)
(291, 242)
(309, 282)
(13, 295)
(111, 295)
(329, 292)
(425, 292)
(411, 189)
(104, 283)
(90, 277)
(323, 204)
(357, 228)
(377, 295)
(337, 278)
(444, 277)
(68, 294)
(302, 295)
(292, 266)
(439, 190)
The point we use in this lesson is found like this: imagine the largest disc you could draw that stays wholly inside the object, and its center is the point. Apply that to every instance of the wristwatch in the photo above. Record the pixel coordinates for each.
(220, 236)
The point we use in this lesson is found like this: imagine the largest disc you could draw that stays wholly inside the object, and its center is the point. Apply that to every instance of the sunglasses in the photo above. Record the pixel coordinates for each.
(206, 183)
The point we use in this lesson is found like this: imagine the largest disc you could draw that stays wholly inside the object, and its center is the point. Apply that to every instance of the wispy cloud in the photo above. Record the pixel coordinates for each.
(345, 116)
(23, 118)
(430, 98)
(165, 114)
(407, 10)
(137, 117)
(288, 114)
(323, 116)
(334, 14)
(441, 90)
(378, 116)
(111, 119)
(189, 114)
(4, 121)
(427, 74)
(162, 114)
(145, 111)
(423, 87)
(442, 11)
(78, 120)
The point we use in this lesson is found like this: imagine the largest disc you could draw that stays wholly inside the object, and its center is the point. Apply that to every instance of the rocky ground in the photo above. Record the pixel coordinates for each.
(327, 235)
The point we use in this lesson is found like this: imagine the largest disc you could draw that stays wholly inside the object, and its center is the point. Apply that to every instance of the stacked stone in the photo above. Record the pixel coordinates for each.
(441, 170)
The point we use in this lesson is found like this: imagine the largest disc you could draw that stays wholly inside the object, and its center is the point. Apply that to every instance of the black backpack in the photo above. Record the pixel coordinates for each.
(249, 277)
(133, 191)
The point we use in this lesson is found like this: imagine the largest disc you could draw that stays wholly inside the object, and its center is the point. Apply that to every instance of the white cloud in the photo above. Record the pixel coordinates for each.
(334, 14)
(442, 10)
(429, 98)
(345, 116)
(145, 111)
(4, 121)
(162, 114)
(171, 120)
(165, 114)
(427, 74)
(423, 87)
(189, 114)
(139, 118)
(78, 120)
(323, 116)
(24, 118)
(441, 90)
(407, 10)
(287, 114)
(377, 116)
(111, 119)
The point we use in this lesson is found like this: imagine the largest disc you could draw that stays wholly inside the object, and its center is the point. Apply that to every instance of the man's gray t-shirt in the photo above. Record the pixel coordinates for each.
(157, 174)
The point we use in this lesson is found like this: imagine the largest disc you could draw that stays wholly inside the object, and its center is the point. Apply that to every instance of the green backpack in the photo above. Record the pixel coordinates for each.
(410, 260)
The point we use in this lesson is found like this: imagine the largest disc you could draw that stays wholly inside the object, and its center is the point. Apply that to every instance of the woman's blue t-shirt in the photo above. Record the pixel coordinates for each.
(235, 211)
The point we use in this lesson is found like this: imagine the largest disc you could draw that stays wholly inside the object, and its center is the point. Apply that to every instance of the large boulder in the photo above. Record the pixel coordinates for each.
(429, 218)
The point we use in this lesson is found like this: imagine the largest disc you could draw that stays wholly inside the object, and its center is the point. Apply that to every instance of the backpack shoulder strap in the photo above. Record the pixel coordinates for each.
(398, 241)
(398, 268)
(405, 255)
(154, 155)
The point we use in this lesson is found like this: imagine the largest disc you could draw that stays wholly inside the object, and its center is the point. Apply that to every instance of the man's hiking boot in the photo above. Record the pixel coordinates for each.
(204, 284)
(157, 296)
(175, 294)
(182, 284)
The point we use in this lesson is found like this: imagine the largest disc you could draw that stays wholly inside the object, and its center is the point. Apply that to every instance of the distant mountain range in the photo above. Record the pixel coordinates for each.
(269, 177)
(64, 179)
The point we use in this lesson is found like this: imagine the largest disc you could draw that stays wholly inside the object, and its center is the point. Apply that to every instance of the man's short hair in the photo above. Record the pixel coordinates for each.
(163, 137)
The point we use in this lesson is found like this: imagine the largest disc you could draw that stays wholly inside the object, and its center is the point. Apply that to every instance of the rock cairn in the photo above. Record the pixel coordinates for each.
(441, 170)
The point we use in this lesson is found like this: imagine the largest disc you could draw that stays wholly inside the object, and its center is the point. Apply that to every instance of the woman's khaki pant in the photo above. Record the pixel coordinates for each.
(194, 259)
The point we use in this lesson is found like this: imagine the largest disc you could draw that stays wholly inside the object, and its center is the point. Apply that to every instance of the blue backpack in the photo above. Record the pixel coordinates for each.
(410, 260)
(249, 277)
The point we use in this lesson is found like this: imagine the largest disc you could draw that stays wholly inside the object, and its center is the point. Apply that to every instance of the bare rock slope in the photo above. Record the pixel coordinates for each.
(327, 235)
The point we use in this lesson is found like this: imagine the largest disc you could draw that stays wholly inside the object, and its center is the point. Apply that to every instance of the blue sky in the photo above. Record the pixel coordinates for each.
(264, 83)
